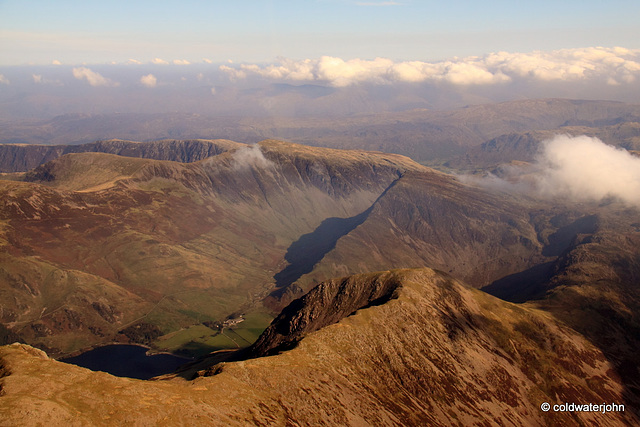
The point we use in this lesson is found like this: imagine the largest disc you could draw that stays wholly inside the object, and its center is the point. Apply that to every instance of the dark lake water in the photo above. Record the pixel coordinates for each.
(127, 361)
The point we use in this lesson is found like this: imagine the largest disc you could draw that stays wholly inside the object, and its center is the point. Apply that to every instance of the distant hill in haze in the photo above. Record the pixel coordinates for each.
(424, 135)
(524, 146)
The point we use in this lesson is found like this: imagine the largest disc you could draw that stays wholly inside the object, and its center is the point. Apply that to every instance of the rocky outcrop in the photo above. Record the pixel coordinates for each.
(22, 157)
(324, 305)
(183, 151)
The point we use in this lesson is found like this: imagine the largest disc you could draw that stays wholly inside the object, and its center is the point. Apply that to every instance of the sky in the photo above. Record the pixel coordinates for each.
(102, 32)
(233, 57)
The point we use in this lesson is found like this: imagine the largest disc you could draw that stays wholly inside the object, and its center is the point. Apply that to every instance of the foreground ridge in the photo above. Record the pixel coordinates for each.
(432, 352)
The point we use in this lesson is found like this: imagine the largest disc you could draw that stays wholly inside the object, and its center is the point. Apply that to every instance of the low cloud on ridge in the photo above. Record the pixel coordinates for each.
(614, 66)
(250, 156)
(577, 168)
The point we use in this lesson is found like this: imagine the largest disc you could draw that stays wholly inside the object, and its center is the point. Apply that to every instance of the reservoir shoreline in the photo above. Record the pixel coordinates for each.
(127, 360)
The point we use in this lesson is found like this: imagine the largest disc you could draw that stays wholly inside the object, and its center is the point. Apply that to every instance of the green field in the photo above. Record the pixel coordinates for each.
(198, 340)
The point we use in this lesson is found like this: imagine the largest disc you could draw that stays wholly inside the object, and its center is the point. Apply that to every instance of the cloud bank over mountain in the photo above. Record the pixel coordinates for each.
(584, 168)
(613, 65)
(577, 168)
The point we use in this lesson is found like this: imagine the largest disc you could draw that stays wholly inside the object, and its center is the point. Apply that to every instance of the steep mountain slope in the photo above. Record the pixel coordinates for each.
(96, 248)
(429, 218)
(438, 353)
(596, 290)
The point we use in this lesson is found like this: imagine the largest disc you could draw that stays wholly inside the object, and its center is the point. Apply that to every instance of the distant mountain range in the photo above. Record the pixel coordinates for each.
(22, 157)
(424, 135)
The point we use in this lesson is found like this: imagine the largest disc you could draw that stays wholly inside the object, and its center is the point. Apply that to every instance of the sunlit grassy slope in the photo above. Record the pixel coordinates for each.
(438, 353)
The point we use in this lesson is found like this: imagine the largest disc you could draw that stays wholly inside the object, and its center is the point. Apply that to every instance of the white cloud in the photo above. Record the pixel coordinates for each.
(250, 157)
(56, 62)
(37, 78)
(574, 168)
(569, 64)
(181, 62)
(343, 73)
(3, 80)
(584, 168)
(134, 61)
(149, 80)
(609, 65)
(207, 61)
(94, 79)
(159, 61)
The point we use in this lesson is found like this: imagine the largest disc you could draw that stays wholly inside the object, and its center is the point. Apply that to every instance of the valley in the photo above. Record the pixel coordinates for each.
(184, 247)
(319, 213)
(378, 287)
(178, 241)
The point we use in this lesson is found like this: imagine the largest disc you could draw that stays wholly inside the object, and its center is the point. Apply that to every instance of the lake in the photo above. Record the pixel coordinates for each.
(127, 361)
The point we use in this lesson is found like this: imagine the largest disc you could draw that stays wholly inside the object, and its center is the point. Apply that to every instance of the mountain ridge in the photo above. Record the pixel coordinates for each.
(439, 353)
(214, 230)
(23, 157)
